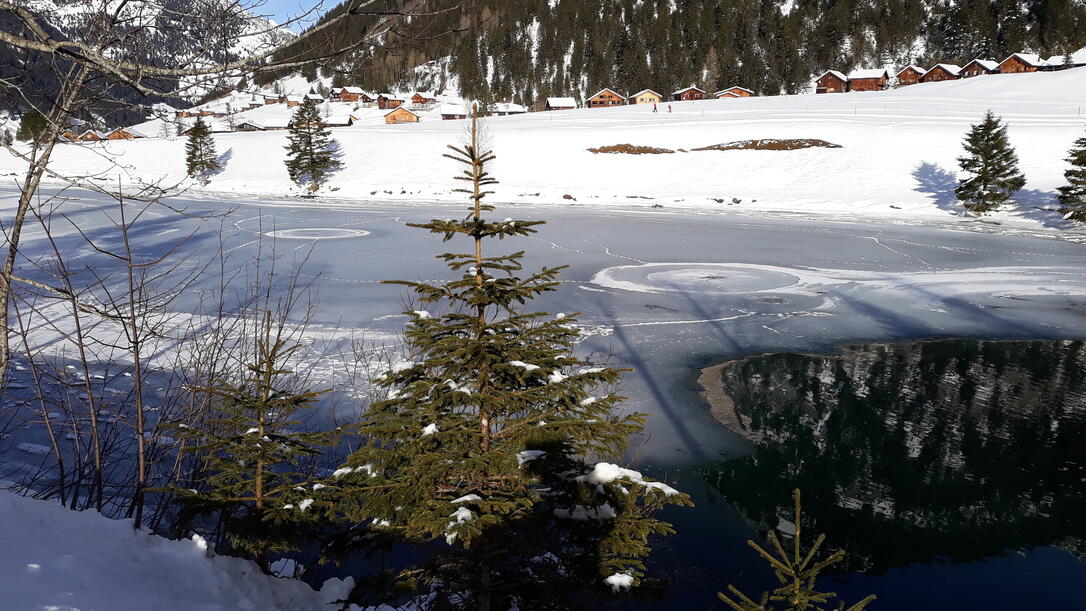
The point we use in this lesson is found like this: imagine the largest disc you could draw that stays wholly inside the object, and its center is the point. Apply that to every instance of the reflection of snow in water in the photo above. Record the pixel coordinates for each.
(316, 233)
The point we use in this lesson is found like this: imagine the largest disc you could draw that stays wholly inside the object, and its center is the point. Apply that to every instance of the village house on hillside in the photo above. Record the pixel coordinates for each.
(875, 79)
(502, 109)
(941, 72)
(450, 112)
(979, 67)
(831, 81)
(1021, 62)
(688, 94)
(733, 92)
(560, 104)
(910, 75)
(387, 101)
(401, 115)
(645, 96)
(353, 94)
(421, 98)
(605, 98)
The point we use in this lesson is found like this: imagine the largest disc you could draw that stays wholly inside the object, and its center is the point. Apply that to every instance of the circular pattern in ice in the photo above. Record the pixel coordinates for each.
(317, 233)
(698, 278)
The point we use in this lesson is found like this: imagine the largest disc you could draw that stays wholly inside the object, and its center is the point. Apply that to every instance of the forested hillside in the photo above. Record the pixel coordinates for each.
(524, 50)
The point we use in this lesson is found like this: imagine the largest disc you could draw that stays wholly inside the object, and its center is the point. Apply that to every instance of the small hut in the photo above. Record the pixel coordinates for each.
(875, 79)
(910, 75)
(733, 92)
(942, 72)
(645, 96)
(1022, 62)
(979, 67)
(605, 98)
(560, 104)
(688, 94)
(831, 81)
(401, 115)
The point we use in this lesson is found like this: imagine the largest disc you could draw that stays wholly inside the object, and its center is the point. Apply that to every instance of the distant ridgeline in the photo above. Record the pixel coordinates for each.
(526, 50)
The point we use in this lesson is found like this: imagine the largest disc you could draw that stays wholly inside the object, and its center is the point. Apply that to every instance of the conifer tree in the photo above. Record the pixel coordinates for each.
(993, 164)
(253, 454)
(201, 160)
(1072, 196)
(31, 126)
(490, 431)
(310, 155)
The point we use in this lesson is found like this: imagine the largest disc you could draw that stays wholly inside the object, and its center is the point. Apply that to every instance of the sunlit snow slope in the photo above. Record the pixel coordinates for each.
(898, 157)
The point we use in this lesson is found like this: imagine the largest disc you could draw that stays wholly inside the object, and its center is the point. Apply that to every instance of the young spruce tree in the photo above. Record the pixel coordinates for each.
(310, 154)
(1072, 196)
(994, 167)
(252, 455)
(490, 433)
(201, 160)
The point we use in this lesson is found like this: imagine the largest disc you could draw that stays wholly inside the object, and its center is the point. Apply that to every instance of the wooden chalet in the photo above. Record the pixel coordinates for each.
(560, 104)
(273, 99)
(293, 101)
(688, 94)
(910, 75)
(875, 79)
(733, 92)
(68, 136)
(451, 112)
(831, 81)
(420, 98)
(249, 125)
(352, 94)
(387, 101)
(1063, 62)
(1022, 62)
(123, 134)
(645, 96)
(337, 121)
(979, 67)
(401, 115)
(92, 136)
(941, 72)
(605, 98)
(502, 109)
(315, 98)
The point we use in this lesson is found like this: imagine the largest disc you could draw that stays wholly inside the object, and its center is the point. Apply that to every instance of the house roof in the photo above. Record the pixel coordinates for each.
(453, 109)
(868, 73)
(358, 90)
(605, 89)
(733, 88)
(951, 68)
(1078, 58)
(314, 96)
(337, 121)
(399, 109)
(987, 64)
(1030, 58)
(508, 107)
(389, 96)
(254, 123)
(835, 73)
(645, 91)
(912, 67)
(562, 102)
(685, 89)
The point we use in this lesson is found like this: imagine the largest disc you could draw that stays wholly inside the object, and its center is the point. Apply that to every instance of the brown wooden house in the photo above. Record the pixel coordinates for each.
(560, 104)
(122, 134)
(605, 98)
(910, 75)
(387, 101)
(941, 72)
(420, 98)
(645, 96)
(979, 67)
(1021, 62)
(875, 79)
(831, 81)
(92, 136)
(401, 115)
(451, 112)
(733, 92)
(350, 94)
(688, 94)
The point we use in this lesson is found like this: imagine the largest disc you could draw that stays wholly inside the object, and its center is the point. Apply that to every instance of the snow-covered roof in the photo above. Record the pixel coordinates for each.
(866, 73)
(913, 67)
(685, 89)
(399, 109)
(646, 91)
(508, 107)
(390, 96)
(453, 109)
(951, 68)
(607, 89)
(315, 97)
(987, 64)
(1030, 58)
(355, 90)
(1078, 58)
(562, 102)
(733, 88)
(835, 73)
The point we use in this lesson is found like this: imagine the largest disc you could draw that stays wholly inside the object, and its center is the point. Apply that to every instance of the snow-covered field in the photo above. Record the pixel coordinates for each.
(897, 160)
(54, 558)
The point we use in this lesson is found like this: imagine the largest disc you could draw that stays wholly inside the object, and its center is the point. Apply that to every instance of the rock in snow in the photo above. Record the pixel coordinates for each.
(55, 558)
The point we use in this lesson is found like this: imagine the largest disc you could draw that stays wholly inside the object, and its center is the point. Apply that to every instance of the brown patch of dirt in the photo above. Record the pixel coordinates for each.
(630, 149)
(771, 144)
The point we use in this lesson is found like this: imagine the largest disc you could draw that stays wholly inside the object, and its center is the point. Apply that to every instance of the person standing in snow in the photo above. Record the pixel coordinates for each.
(669, 109)
(654, 107)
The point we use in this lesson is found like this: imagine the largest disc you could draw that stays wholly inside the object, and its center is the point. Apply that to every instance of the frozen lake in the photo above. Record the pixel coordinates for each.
(666, 293)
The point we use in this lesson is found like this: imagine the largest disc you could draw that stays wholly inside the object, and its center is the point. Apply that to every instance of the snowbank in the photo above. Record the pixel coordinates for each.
(898, 157)
(54, 558)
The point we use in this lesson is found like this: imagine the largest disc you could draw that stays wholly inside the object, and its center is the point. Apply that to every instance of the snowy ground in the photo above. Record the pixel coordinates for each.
(898, 159)
(62, 560)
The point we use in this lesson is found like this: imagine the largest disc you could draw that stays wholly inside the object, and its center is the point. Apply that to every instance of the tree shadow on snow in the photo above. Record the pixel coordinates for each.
(221, 162)
(1032, 204)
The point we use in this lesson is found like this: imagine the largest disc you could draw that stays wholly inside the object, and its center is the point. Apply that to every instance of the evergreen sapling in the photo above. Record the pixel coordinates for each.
(1072, 196)
(993, 164)
(311, 155)
(201, 160)
(491, 429)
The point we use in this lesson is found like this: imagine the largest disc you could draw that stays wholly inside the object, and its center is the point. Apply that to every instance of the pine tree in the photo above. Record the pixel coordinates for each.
(201, 160)
(310, 155)
(253, 455)
(993, 164)
(489, 432)
(1072, 196)
(31, 126)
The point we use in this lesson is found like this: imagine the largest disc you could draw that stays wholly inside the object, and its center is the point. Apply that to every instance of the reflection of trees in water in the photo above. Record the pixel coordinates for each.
(958, 448)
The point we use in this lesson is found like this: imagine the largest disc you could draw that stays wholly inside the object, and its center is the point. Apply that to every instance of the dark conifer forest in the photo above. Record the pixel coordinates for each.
(525, 50)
